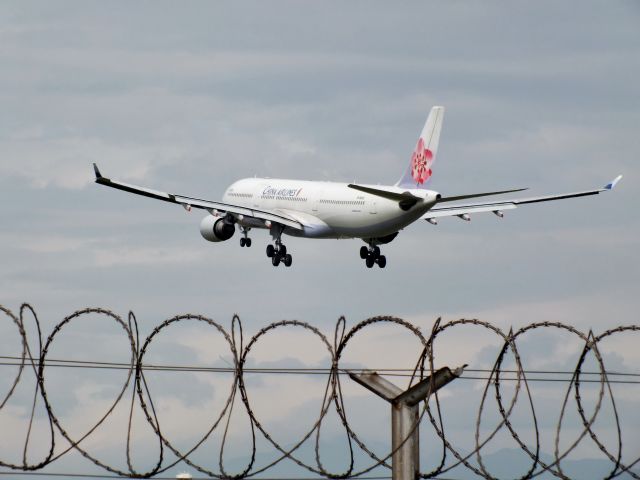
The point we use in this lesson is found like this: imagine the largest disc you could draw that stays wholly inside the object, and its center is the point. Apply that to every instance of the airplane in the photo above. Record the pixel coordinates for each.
(320, 210)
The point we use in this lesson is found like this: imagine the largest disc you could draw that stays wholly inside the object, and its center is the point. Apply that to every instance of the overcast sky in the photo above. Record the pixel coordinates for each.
(189, 97)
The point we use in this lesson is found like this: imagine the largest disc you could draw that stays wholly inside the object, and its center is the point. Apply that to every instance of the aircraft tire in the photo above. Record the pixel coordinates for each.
(382, 261)
(288, 259)
(275, 260)
(282, 250)
(364, 251)
(376, 251)
(369, 262)
(270, 251)
(243, 241)
(248, 242)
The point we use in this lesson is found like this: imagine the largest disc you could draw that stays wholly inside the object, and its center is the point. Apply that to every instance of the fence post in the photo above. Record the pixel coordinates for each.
(405, 438)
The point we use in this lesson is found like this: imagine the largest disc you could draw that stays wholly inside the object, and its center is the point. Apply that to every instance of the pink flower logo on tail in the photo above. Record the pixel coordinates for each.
(421, 160)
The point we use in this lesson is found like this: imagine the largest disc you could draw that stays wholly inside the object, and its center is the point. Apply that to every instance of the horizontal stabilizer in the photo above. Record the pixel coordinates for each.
(397, 196)
(405, 199)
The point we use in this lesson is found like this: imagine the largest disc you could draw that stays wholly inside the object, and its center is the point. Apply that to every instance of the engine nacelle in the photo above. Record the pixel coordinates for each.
(215, 229)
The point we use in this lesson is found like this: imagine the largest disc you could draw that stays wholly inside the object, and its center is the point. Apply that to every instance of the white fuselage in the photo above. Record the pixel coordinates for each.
(328, 209)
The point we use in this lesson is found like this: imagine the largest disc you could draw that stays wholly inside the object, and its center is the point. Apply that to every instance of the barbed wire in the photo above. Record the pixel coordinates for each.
(35, 357)
(12, 361)
(93, 475)
(483, 373)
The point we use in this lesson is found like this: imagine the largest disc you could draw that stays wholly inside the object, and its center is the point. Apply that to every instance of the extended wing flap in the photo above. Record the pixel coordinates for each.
(468, 210)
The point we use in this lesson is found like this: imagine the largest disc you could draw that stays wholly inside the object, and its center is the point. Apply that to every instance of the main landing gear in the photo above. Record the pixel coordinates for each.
(371, 255)
(278, 252)
(245, 241)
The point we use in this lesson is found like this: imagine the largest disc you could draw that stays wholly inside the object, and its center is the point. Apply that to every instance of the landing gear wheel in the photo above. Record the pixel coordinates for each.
(382, 261)
(364, 251)
(243, 242)
(282, 250)
(287, 260)
(376, 251)
(247, 242)
(270, 251)
(370, 261)
(275, 260)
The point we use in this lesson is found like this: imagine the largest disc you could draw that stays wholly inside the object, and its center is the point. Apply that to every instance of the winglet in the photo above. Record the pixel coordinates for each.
(612, 184)
(97, 172)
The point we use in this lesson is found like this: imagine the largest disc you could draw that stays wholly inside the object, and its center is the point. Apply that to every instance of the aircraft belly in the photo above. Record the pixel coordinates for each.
(350, 225)
(252, 223)
(314, 227)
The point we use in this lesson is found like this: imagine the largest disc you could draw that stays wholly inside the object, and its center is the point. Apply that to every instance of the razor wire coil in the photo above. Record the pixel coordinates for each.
(136, 392)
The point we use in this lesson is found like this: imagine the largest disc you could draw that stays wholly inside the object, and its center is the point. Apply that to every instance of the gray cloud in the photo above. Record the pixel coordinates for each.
(189, 99)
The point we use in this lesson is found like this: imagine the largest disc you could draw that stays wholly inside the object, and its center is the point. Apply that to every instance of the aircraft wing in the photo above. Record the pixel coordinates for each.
(190, 202)
(464, 211)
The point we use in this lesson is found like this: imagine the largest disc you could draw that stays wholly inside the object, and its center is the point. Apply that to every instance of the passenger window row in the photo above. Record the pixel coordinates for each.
(343, 202)
(293, 199)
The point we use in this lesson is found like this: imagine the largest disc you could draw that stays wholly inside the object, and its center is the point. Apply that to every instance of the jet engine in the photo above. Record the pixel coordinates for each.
(216, 229)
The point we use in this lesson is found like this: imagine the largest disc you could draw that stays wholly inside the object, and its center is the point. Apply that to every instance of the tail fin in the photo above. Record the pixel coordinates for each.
(419, 171)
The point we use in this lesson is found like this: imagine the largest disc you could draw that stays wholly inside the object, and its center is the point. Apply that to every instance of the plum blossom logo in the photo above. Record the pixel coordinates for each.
(421, 160)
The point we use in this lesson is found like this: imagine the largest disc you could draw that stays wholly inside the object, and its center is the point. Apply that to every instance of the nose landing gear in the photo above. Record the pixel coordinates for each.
(245, 241)
(371, 255)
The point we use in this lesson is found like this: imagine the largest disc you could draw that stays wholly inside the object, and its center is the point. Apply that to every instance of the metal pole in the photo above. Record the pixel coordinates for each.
(405, 438)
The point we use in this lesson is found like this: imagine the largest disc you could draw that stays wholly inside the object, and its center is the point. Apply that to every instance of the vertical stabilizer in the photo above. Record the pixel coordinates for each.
(424, 155)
